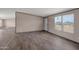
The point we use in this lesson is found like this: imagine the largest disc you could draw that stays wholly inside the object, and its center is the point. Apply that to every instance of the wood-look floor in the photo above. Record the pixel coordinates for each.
(9, 40)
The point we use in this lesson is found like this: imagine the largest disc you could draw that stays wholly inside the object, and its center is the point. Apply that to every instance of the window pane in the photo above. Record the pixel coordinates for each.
(58, 23)
(68, 23)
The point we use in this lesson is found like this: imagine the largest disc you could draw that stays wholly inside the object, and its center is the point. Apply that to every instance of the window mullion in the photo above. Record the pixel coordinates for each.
(62, 23)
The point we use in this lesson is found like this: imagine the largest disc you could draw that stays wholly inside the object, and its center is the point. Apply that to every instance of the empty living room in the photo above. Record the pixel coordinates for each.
(39, 29)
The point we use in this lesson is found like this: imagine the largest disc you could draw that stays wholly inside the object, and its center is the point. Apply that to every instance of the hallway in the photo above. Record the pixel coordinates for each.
(33, 41)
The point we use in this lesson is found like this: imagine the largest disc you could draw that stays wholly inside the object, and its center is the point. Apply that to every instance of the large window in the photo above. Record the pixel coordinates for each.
(58, 23)
(65, 23)
(68, 23)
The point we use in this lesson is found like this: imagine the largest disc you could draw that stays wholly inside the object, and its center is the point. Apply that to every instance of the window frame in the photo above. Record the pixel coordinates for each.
(62, 26)
(56, 24)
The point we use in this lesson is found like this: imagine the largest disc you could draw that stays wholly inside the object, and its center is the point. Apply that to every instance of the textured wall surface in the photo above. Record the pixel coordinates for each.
(10, 23)
(26, 22)
(7, 23)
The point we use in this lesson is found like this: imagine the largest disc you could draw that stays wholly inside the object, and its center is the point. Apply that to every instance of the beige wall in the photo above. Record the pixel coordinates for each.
(7, 23)
(75, 35)
(26, 22)
(10, 23)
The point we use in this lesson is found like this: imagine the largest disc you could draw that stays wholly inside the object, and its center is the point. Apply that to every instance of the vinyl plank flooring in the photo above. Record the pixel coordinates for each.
(39, 40)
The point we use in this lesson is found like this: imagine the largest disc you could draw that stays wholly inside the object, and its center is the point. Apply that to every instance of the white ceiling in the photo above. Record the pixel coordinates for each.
(6, 13)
